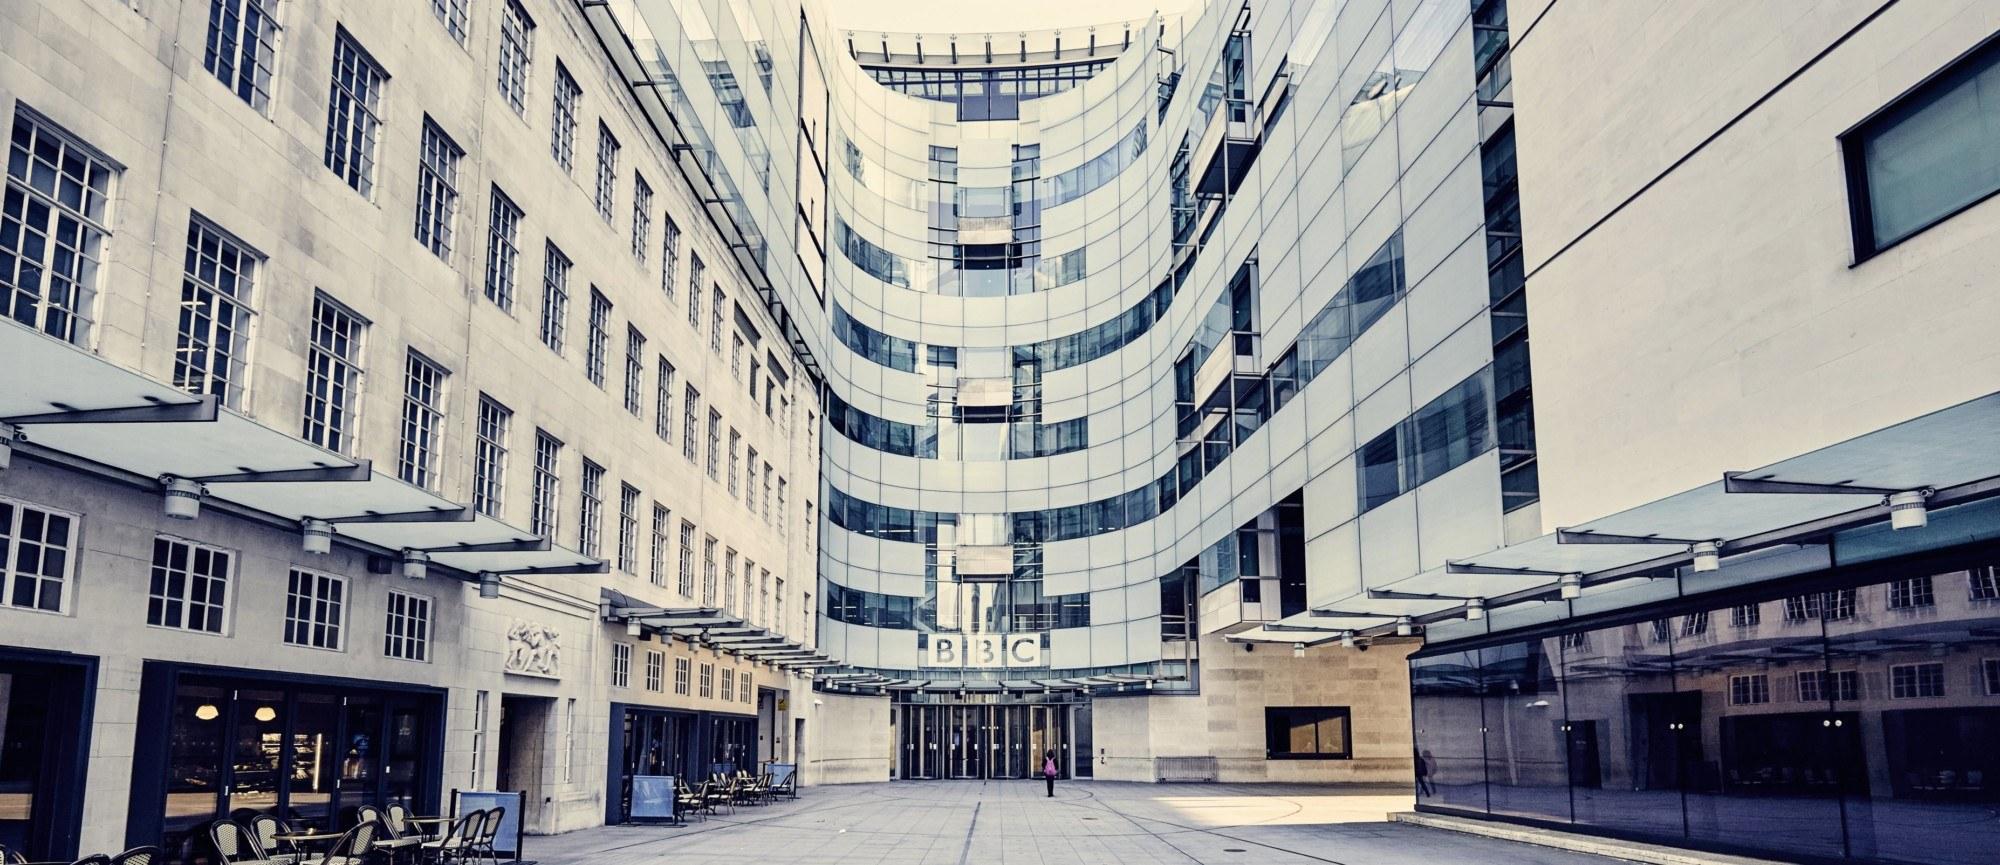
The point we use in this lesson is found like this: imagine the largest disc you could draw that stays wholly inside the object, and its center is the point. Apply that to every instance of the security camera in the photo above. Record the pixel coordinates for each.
(1361, 647)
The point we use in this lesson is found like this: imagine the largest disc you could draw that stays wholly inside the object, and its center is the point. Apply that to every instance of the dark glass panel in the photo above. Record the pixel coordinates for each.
(1631, 735)
(1527, 768)
(1447, 717)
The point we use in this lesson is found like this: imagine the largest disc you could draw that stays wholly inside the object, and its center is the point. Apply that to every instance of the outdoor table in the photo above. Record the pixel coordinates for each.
(302, 840)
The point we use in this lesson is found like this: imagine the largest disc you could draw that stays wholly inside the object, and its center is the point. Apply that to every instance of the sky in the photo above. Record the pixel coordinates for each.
(987, 16)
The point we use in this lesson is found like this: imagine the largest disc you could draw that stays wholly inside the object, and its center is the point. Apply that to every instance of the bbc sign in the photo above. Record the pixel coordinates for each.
(984, 651)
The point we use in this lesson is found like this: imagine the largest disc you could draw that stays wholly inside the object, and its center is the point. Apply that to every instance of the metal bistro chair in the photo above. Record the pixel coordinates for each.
(354, 846)
(398, 818)
(691, 800)
(391, 839)
(265, 829)
(9, 857)
(482, 846)
(93, 859)
(143, 855)
(455, 845)
(233, 843)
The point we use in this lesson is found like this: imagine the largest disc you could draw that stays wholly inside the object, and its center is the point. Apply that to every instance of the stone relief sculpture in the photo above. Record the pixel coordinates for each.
(534, 649)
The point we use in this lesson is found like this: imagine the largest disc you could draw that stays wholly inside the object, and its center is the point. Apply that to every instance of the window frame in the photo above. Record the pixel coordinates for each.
(311, 630)
(10, 556)
(421, 442)
(1853, 156)
(397, 638)
(234, 352)
(364, 124)
(1345, 714)
(262, 58)
(224, 610)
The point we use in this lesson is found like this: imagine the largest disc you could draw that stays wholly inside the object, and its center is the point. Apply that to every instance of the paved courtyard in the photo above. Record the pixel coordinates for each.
(966, 822)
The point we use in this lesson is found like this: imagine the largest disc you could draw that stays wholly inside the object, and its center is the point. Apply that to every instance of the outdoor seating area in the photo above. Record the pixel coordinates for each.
(730, 791)
(374, 835)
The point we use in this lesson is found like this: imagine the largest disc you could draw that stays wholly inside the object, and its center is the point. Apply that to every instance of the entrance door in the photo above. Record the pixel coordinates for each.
(1046, 737)
(41, 736)
(922, 737)
(525, 725)
(965, 729)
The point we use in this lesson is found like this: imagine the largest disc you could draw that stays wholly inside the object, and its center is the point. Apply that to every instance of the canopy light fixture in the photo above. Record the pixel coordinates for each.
(1570, 586)
(416, 564)
(316, 536)
(489, 584)
(1347, 639)
(1907, 509)
(8, 432)
(1405, 626)
(1298, 650)
(633, 628)
(1707, 556)
(183, 498)
(1475, 609)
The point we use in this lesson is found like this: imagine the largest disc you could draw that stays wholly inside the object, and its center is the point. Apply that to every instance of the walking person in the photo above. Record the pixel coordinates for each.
(1424, 786)
(1049, 771)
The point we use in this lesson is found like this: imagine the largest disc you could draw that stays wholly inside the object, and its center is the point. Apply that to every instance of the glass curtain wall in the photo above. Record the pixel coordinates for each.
(1836, 723)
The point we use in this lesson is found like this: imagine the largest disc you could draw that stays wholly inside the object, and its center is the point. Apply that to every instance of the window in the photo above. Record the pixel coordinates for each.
(451, 13)
(714, 445)
(1662, 631)
(1983, 584)
(735, 440)
(36, 555)
(1378, 470)
(621, 665)
(1746, 615)
(599, 338)
(1749, 690)
(708, 572)
(658, 573)
(353, 113)
(52, 228)
(1800, 608)
(728, 685)
(656, 670)
(489, 456)
(743, 690)
(782, 485)
(736, 356)
(1694, 624)
(1910, 681)
(590, 511)
(607, 171)
(1817, 686)
(681, 666)
(764, 596)
(503, 250)
(242, 47)
(517, 54)
(1990, 673)
(216, 279)
(690, 419)
(423, 410)
(715, 313)
(407, 633)
(642, 217)
(555, 298)
(695, 269)
(333, 375)
(628, 529)
(1913, 592)
(562, 126)
(670, 256)
(778, 611)
(728, 580)
(707, 680)
(1840, 605)
(190, 586)
(1927, 156)
(479, 700)
(1307, 733)
(437, 190)
(569, 741)
(548, 485)
(684, 580)
(635, 370)
(663, 399)
(750, 480)
(315, 609)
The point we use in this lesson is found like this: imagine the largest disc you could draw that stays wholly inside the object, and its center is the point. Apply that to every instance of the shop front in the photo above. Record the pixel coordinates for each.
(217, 742)
(649, 740)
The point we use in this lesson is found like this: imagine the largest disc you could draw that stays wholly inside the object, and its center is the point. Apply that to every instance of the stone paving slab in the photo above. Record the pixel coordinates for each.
(1012, 823)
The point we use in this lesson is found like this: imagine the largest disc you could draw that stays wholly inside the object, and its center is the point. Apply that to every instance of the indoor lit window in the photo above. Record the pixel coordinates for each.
(190, 586)
(315, 610)
(423, 413)
(333, 375)
(242, 47)
(406, 633)
(217, 276)
(52, 228)
(353, 113)
(437, 190)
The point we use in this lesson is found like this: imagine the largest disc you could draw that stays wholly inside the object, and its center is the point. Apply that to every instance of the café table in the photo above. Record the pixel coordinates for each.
(303, 841)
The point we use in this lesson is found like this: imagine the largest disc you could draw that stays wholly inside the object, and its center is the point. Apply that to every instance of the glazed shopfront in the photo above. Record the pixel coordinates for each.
(216, 742)
(648, 740)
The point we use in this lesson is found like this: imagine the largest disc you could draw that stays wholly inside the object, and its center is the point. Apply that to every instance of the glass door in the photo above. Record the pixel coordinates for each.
(257, 741)
(1046, 737)
(966, 727)
(1011, 736)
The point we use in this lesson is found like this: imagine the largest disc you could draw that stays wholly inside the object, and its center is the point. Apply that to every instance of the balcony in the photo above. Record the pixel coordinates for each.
(1241, 605)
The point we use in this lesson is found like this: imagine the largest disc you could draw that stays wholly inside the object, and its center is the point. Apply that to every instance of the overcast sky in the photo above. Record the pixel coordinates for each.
(988, 16)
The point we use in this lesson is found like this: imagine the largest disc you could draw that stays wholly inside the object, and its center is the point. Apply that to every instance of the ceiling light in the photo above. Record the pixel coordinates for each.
(1298, 650)
(1907, 511)
(316, 536)
(183, 498)
(416, 564)
(1475, 609)
(1571, 586)
(489, 584)
(1707, 556)
(1347, 639)
(1405, 626)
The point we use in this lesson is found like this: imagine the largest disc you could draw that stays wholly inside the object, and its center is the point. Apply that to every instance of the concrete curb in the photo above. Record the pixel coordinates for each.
(1633, 851)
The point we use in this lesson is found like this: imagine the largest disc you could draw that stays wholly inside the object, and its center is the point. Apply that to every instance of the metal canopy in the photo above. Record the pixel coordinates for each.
(72, 405)
(1953, 454)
